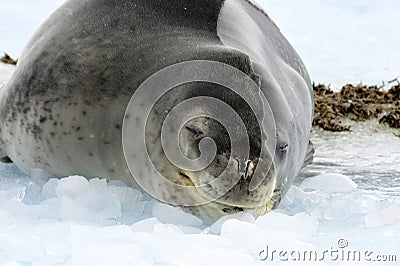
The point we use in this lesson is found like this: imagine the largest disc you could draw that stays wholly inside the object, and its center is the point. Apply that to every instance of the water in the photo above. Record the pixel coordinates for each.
(369, 154)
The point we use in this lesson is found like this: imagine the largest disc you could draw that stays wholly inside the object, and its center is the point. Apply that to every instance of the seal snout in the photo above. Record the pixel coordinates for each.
(240, 197)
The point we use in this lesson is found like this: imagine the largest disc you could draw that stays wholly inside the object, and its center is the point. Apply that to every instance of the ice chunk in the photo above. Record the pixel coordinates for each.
(342, 206)
(49, 189)
(169, 214)
(72, 186)
(244, 235)
(101, 202)
(130, 199)
(16, 194)
(387, 216)
(241, 216)
(301, 226)
(113, 245)
(329, 183)
(146, 225)
(116, 183)
(82, 200)
(11, 263)
(167, 230)
(71, 210)
(6, 219)
(97, 183)
(39, 174)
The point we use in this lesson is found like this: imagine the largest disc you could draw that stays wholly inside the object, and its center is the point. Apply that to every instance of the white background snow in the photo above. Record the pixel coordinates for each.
(351, 204)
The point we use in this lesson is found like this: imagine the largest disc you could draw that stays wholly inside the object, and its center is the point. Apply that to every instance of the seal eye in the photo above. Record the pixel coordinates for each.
(283, 147)
(196, 133)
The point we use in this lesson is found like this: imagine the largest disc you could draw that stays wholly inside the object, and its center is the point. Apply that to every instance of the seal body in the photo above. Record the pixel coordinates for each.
(63, 109)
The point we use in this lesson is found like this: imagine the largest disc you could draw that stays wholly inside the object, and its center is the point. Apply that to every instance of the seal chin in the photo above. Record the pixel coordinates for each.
(238, 199)
(215, 210)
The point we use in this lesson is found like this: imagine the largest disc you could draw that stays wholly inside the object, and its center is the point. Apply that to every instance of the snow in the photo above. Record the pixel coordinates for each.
(387, 216)
(342, 41)
(19, 19)
(79, 222)
(352, 197)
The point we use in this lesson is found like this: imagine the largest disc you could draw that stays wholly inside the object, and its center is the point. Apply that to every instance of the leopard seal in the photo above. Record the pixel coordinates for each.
(64, 108)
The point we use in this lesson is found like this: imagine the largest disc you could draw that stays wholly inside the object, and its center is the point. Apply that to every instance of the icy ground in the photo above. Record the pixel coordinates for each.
(351, 203)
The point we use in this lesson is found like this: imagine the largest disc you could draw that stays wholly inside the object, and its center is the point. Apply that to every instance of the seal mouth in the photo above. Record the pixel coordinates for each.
(216, 208)
(256, 210)
(186, 180)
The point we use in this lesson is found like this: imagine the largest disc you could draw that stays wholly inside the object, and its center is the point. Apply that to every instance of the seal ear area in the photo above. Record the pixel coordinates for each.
(232, 57)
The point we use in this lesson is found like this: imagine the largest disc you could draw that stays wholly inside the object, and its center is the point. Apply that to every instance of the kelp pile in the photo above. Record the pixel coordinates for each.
(357, 103)
(8, 60)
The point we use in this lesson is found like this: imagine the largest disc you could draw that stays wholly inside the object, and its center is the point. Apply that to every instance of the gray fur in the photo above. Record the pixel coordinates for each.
(63, 109)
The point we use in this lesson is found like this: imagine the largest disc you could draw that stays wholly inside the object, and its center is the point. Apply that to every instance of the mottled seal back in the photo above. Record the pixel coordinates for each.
(64, 107)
